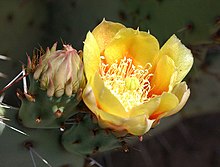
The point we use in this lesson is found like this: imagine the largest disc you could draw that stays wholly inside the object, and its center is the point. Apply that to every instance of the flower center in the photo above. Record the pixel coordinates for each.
(127, 82)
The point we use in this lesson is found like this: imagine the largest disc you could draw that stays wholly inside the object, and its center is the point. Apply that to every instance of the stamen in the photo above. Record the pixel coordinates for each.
(127, 82)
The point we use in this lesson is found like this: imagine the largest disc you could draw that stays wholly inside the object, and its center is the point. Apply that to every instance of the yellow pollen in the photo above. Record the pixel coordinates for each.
(127, 82)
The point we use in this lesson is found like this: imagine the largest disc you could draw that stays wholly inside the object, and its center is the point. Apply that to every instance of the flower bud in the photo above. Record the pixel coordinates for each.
(60, 71)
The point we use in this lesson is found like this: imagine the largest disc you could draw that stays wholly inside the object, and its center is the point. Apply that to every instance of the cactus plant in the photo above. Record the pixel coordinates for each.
(31, 147)
(23, 27)
(43, 145)
(76, 138)
(162, 18)
(47, 127)
(83, 12)
(48, 108)
(52, 74)
(197, 27)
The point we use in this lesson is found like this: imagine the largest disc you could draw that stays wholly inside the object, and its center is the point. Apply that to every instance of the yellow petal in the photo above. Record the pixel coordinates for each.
(162, 76)
(105, 99)
(168, 102)
(181, 56)
(91, 56)
(90, 100)
(106, 120)
(145, 109)
(182, 93)
(138, 125)
(105, 31)
(140, 46)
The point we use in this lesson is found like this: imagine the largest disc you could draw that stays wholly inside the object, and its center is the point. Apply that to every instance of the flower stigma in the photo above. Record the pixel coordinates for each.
(128, 83)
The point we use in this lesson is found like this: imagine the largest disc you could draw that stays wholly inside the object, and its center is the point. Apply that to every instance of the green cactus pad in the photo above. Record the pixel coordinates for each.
(43, 111)
(193, 25)
(15, 147)
(86, 137)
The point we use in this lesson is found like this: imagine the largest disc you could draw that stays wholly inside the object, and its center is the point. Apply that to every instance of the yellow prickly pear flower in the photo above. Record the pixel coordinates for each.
(132, 83)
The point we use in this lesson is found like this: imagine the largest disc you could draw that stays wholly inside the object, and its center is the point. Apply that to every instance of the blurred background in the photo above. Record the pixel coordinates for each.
(189, 138)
